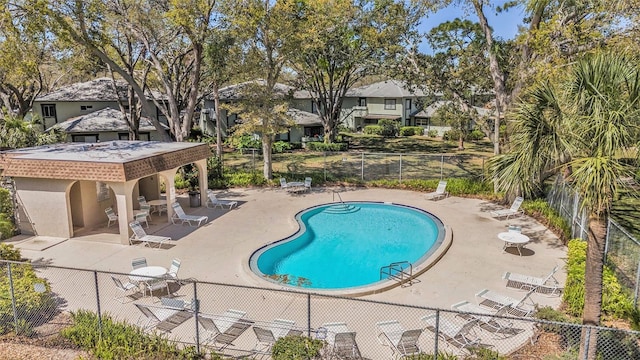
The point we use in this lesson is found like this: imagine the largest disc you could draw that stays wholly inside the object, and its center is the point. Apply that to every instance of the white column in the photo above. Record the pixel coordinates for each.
(124, 205)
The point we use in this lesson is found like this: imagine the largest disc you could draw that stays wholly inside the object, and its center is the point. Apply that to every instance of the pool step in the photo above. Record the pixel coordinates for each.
(341, 209)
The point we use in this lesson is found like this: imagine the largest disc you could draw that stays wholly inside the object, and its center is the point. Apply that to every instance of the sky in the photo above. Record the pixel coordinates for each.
(505, 24)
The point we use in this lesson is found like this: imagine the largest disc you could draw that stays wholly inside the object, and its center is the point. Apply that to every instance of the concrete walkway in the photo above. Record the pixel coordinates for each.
(219, 251)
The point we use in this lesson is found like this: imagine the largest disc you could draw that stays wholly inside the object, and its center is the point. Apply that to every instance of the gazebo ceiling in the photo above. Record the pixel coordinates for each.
(114, 161)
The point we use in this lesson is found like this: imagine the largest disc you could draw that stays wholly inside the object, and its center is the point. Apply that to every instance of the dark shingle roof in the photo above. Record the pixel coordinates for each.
(106, 119)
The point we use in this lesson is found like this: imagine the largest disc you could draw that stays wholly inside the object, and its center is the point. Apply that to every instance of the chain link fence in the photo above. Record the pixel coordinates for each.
(567, 202)
(241, 321)
(623, 256)
(337, 166)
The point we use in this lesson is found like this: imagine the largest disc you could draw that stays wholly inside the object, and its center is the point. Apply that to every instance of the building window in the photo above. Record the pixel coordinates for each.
(422, 122)
(143, 136)
(48, 110)
(85, 138)
(86, 107)
(389, 104)
(314, 107)
(362, 102)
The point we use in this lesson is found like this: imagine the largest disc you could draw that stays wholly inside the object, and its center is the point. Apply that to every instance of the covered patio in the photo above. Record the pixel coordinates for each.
(63, 189)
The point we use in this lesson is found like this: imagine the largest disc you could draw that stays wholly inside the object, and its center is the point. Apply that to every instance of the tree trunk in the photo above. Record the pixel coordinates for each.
(266, 154)
(593, 285)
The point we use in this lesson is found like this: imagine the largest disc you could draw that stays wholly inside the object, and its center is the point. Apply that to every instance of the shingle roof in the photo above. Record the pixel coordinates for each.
(106, 119)
(304, 118)
(385, 89)
(100, 89)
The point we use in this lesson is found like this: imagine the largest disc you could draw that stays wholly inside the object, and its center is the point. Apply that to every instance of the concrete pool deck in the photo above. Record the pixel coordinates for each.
(219, 251)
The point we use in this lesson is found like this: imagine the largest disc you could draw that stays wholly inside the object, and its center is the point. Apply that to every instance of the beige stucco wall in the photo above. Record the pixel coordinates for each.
(46, 203)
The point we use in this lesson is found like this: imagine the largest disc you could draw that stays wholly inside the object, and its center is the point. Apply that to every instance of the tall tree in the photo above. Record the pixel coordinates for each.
(342, 41)
(584, 128)
(265, 29)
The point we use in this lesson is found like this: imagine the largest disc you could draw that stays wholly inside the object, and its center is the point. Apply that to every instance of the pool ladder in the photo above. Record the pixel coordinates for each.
(398, 271)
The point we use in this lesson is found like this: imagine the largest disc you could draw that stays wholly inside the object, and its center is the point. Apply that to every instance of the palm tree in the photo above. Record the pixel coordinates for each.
(583, 127)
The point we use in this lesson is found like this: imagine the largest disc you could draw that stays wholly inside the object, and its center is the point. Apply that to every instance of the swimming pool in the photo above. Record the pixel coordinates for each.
(341, 246)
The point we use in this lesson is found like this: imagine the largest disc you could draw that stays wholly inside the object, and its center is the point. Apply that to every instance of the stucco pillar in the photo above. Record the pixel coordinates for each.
(124, 204)
(170, 183)
(203, 182)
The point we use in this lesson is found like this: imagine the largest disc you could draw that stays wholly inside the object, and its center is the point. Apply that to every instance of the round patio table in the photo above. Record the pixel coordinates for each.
(144, 273)
(513, 239)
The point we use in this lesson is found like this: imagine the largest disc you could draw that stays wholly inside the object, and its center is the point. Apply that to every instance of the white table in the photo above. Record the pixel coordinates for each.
(145, 273)
(295, 185)
(513, 239)
(158, 205)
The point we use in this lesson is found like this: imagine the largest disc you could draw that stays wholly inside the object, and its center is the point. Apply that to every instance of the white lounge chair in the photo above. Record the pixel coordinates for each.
(113, 218)
(267, 337)
(341, 340)
(140, 235)
(485, 318)
(126, 289)
(494, 300)
(180, 216)
(402, 342)
(440, 193)
(454, 333)
(161, 318)
(214, 202)
(514, 210)
(545, 285)
(224, 329)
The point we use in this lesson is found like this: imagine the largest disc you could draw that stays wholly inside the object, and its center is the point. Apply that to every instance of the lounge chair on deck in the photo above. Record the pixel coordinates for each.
(454, 333)
(214, 202)
(402, 342)
(162, 318)
(440, 193)
(485, 318)
(342, 341)
(113, 218)
(514, 210)
(224, 329)
(494, 300)
(183, 218)
(140, 235)
(267, 337)
(126, 289)
(546, 285)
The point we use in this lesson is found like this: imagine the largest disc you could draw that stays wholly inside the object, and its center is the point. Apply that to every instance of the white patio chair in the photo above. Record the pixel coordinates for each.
(548, 285)
(454, 333)
(486, 318)
(125, 288)
(173, 270)
(140, 235)
(214, 202)
(402, 342)
(440, 193)
(514, 210)
(113, 217)
(341, 340)
(283, 184)
(180, 216)
(517, 307)
(307, 184)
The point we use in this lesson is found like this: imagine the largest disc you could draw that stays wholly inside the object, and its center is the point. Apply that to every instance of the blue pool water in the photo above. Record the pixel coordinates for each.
(345, 245)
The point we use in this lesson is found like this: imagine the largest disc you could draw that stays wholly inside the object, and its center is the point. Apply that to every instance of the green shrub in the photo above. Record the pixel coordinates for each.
(541, 210)
(120, 340)
(615, 302)
(451, 135)
(389, 127)
(7, 229)
(475, 135)
(456, 186)
(6, 204)
(432, 133)
(244, 142)
(373, 130)
(320, 146)
(279, 147)
(245, 179)
(31, 306)
(411, 130)
(296, 348)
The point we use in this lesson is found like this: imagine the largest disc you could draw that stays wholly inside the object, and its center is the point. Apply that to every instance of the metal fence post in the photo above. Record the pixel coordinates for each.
(196, 309)
(441, 165)
(95, 281)
(362, 167)
(401, 168)
(13, 297)
(435, 340)
(324, 164)
(586, 343)
(309, 314)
